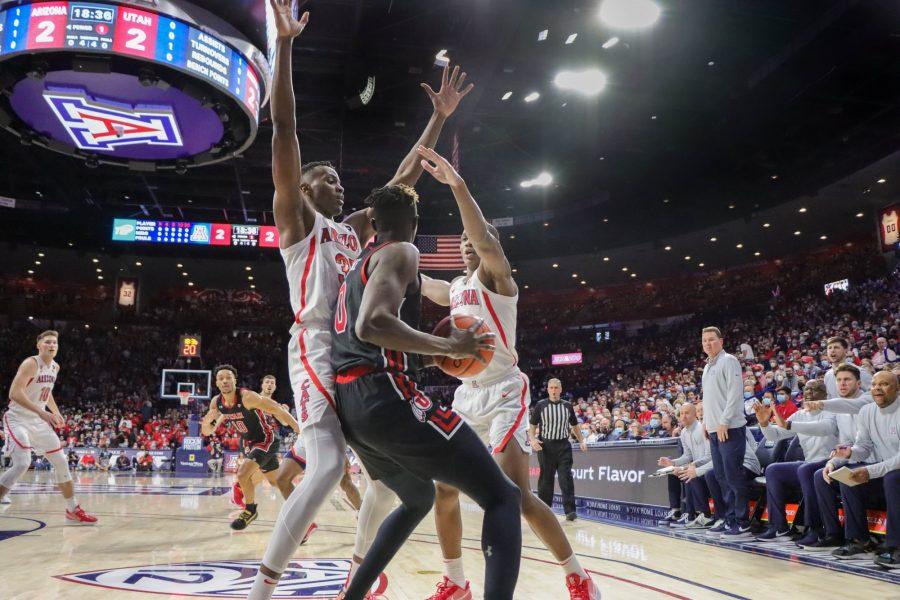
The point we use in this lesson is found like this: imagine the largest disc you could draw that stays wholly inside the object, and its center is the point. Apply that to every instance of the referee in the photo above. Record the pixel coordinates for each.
(556, 421)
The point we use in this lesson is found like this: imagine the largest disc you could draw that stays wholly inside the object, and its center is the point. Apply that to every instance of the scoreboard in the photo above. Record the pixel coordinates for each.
(129, 31)
(186, 232)
(189, 346)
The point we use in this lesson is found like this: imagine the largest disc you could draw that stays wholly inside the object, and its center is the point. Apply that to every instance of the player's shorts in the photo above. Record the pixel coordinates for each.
(393, 427)
(297, 453)
(498, 412)
(266, 459)
(312, 377)
(31, 434)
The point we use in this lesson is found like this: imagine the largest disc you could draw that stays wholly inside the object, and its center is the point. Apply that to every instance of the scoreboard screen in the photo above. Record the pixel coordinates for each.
(130, 31)
(185, 232)
(189, 346)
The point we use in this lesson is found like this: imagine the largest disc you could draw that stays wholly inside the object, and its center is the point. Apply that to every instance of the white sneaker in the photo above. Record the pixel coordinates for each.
(701, 522)
(6, 499)
(682, 521)
(718, 528)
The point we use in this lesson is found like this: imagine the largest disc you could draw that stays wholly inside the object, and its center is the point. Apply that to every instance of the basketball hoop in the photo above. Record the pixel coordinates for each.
(185, 396)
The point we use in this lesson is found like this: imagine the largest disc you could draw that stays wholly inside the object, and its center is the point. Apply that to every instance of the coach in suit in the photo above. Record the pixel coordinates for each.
(724, 420)
(556, 420)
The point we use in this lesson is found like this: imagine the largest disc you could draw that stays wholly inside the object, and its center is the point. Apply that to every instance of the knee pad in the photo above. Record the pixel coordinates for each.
(60, 467)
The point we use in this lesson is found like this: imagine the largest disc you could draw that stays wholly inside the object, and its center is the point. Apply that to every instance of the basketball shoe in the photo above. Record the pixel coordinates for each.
(247, 516)
(79, 515)
(581, 588)
(447, 590)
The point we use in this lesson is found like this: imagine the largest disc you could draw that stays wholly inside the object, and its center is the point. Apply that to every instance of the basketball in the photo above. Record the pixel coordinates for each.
(462, 367)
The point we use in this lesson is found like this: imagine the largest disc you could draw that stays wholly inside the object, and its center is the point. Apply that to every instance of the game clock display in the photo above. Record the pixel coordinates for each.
(129, 31)
(203, 234)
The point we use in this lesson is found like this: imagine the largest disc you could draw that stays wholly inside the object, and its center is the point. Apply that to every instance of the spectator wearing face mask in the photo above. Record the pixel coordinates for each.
(790, 380)
(618, 433)
(635, 431)
(644, 415)
(784, 404)
(883, 355)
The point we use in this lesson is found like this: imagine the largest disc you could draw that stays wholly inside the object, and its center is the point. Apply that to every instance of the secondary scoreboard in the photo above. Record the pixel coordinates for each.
(185, 232)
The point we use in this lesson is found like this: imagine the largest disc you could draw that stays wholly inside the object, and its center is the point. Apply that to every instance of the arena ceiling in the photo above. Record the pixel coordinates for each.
(721, 115)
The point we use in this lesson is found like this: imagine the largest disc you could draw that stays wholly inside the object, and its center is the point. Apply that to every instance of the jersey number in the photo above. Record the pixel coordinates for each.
(239, 425)
(340, 313)
(45, 393)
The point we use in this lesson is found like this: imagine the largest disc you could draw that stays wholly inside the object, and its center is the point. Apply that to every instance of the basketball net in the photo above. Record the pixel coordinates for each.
(185, 397)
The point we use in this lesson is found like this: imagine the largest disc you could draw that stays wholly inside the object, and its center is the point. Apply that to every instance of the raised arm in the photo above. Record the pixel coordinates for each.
(436, 290)
(445, 102)
(253, 400)
(488, 248)
(394, 270)
(293, 214)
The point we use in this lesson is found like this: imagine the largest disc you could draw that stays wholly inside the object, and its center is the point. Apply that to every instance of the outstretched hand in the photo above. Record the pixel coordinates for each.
(286, 22)
(439, 167)
(447, 98)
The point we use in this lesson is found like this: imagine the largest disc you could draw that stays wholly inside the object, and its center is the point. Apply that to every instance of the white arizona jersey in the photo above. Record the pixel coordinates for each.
(38, 389)
(316, 267)
(890, 232)
(469, 296)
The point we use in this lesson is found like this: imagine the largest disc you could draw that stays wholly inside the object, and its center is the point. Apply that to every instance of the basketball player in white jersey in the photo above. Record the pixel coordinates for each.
(495, 402)
(317, 253)
(30, 425)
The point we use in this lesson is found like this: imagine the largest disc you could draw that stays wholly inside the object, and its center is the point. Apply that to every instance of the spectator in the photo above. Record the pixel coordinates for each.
(784, 404)
(883, 355)
(88, 462)
(216, 456)
(667, 429)
(122, 462)
(72, 459)
(103, 463)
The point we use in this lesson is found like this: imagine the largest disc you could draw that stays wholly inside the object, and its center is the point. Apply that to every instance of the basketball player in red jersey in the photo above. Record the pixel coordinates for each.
(244, 409)
(494, 402)
(318, 252)
(31, 426)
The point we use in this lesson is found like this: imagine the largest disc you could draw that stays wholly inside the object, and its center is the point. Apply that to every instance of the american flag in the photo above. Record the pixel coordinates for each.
(439, 253)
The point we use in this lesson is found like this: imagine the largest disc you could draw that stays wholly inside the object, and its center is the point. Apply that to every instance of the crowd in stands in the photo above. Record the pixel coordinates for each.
(629, 387)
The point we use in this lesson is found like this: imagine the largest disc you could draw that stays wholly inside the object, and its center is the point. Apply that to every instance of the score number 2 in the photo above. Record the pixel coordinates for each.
(47, 28)
(137, 39)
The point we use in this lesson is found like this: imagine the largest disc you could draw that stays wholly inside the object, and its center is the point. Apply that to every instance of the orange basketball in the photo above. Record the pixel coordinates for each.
(462, 367)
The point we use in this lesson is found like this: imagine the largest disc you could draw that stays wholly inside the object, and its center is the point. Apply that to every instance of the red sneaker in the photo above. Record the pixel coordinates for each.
(582, 588)
(309, 532)
(79, 515)
(237, 496)
(447, 590)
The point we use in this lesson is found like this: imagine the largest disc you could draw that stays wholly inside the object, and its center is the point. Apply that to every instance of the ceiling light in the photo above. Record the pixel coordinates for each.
(756, 254)
(546, 224)
(589, 82)
(532, 97)
(512, 236)
(95, 260)
(882, 180)
(138, 264)
(41, 254)
(250, 278)
(797, 232)
(184, 273)
(583, 282)
(634, 274)
(31, 318)
(711, 63)
(248, 268)
(610, 43)
(605, 220)
(179, 265)
(701, 265)
(506, 96)
(252, 286)
(515, 270)
(774, 177)
(802, 209)
(71, 244)
(731, 206)
(542, 180)
(624, 269)
(739, 246)
(571, 38)
(767, 225)
(100, 277)
(542, 35)
(629, 14)
(574, 275)
(859, 215)
(687, 257)
(526, 286)
(605, 259)
(823, 237)
(99, 270)
(667, 248)
(190, 283)
(30, 272)
(652, 117)
(37, 262)
(555, 265)
(714, 239)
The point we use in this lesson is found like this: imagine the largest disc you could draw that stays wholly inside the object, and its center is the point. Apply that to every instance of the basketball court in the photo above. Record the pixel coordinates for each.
(160, 535)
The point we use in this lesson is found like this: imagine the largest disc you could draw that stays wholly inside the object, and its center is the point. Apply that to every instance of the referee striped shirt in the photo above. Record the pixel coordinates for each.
(555, 419)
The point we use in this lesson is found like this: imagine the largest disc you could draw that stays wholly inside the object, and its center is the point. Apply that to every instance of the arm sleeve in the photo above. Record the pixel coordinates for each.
(573, 420)
(863, 446)
(846, 406)
(734, 386)
(686, 456)
(820, 428)
(775, 433)
(705, 460)
(535, 418)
